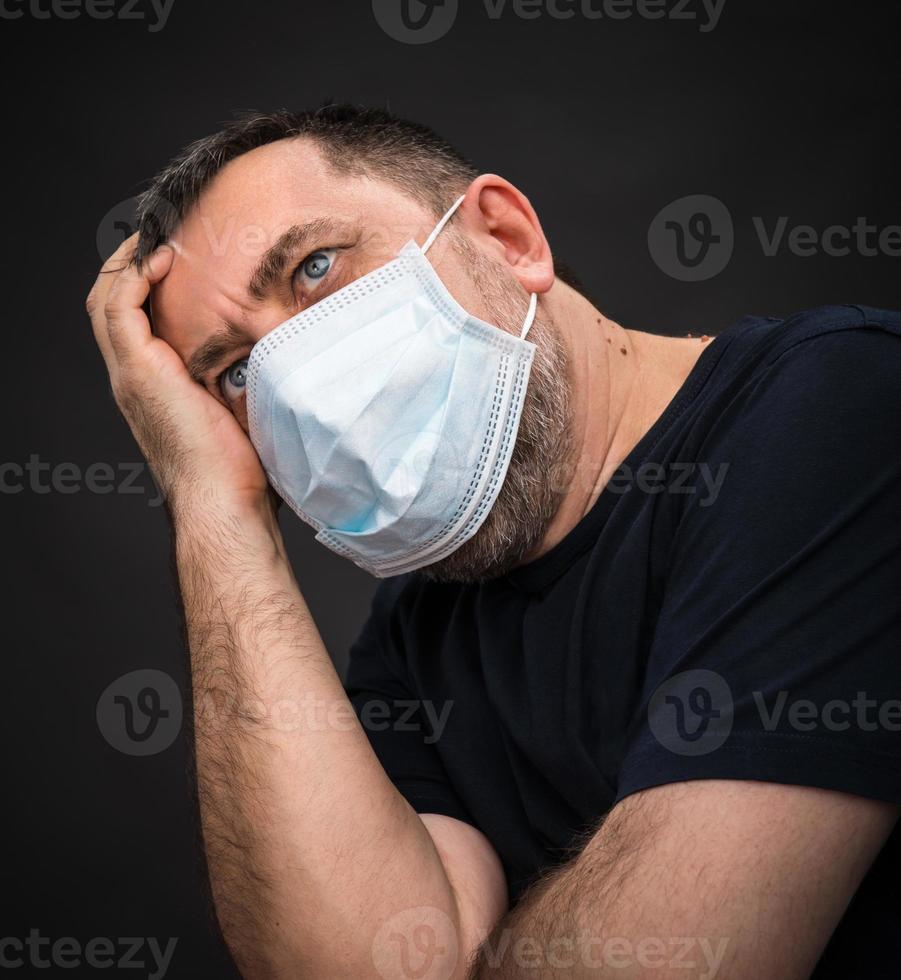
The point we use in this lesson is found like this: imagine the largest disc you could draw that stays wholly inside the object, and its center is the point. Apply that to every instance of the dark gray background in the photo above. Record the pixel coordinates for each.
(786, 108)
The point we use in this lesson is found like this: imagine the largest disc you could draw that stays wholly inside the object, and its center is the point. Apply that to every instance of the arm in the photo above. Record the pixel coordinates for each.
(317, 864)
(752, 876)
(310, 847)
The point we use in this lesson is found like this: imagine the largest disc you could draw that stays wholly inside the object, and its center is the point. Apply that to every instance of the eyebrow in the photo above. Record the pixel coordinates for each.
(278, 256)
(213, 349)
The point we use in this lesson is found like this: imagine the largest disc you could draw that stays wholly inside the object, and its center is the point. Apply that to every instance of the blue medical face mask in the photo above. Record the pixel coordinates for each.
(385, 415)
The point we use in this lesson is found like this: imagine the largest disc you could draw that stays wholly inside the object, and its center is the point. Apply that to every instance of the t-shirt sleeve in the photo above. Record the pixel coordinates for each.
(390, 711)
(777, 652)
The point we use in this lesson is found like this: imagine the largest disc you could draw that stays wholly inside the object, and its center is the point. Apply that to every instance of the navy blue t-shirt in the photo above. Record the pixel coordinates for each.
(730, 607)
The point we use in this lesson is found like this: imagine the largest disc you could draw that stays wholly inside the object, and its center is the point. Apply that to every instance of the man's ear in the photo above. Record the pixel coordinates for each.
(500, 219)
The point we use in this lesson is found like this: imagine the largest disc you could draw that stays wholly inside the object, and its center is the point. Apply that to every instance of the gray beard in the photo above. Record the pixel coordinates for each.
(532, 490)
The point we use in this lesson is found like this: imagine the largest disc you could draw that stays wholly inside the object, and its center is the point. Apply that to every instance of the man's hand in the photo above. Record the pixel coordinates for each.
(194, 445)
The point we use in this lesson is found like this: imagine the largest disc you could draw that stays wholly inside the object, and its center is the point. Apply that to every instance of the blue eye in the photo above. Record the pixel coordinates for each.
(237, 373)
(318, 264)
(233, 381)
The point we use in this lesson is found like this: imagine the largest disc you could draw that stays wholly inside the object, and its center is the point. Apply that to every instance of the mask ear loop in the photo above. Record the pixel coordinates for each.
(530, 316)
(436, 231)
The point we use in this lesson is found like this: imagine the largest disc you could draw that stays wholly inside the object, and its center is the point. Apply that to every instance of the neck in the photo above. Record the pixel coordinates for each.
(621, 381)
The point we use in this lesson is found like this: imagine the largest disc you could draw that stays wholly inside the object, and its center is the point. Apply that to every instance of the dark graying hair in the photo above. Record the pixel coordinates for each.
(354, 140)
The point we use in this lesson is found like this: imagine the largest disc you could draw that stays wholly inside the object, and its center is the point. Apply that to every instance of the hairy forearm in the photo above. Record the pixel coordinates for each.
(704, 878)
(572, 923)
(540, 937)
(309, 846)
(570, 926)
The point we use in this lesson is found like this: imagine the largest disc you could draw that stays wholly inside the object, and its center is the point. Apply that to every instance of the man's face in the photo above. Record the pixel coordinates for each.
(279, 230)
(275, 232)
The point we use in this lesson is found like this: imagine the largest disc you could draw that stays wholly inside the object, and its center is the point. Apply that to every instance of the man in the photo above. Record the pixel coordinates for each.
(624, 703)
